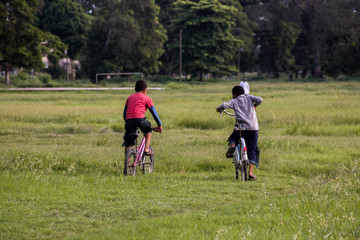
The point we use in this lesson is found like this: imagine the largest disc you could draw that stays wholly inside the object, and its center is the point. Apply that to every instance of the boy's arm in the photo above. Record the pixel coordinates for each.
(124, 113)
(155, 115)
(225, 105)
(257, 100)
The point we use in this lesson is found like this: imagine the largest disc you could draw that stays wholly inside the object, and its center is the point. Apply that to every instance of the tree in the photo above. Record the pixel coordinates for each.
(319, 20)
(149, 47)
(90, 5)
(243, 30)
(125, 36)
(207, 39)
(276, 37)
(53, 47)
(20, 39)
(302, 54)
(342, 48)
(66, 19)
(170, 54)
(249, 2)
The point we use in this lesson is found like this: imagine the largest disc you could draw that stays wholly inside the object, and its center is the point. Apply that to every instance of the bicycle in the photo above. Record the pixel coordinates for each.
(135, 157)
(240, 158)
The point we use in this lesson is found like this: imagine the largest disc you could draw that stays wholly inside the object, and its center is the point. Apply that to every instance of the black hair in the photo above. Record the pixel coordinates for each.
(140, 85)
(237, 90)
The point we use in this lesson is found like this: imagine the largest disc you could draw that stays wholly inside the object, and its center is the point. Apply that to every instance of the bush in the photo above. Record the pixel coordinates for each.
(176, 85)
(45, 78)
(23, 79)
(56, 72)
(160, 79)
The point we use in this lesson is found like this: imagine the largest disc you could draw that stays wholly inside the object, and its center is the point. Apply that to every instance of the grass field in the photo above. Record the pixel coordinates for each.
(61, 166)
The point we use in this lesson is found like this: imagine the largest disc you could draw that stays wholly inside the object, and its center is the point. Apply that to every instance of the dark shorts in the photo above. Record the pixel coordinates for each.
(131, 125)
(251, 141)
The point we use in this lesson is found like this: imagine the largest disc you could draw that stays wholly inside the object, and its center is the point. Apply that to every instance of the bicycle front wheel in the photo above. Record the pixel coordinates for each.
(129, 164)
(147, 163)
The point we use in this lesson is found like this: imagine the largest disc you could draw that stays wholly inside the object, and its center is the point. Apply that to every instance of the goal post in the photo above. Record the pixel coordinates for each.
(118, 74)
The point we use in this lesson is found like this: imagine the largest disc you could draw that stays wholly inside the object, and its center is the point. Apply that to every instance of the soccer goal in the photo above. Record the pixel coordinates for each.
(109, 75)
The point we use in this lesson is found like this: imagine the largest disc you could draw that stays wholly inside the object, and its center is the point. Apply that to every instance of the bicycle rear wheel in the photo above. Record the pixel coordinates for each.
(147, 163)
(243, 161)
(236, 161)
(129, 164)
(244, 176)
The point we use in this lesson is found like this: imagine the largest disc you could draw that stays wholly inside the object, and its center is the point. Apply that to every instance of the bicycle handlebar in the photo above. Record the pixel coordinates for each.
(237, 125)
(230, 114)
(157, 129)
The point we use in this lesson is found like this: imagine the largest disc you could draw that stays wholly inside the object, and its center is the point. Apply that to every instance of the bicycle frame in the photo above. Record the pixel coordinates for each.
(140, 150)
(135, 157)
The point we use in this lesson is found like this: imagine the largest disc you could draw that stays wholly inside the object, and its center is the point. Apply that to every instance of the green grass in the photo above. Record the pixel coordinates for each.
(61, 166)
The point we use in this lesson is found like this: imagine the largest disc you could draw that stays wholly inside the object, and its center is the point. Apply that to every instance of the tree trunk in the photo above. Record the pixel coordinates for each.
(309, 10)
(304, 73)
(317, 68)
(201, 77)
(72, 71)
(7, 77)
(317, 73)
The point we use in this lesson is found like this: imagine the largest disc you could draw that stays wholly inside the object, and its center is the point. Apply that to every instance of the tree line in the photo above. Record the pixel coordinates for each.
(196, 37)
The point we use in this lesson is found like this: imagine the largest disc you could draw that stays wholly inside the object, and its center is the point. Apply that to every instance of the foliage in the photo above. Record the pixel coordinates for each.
(89, 5)
(53, 47)
(241, 29)
(20, 39)
(289, 36)
(126, 37)
(250, 2)
(208, 43)
(24, 79)
(276, 37)
(320, 20)
(169, 58)
(67, 20)
(342, 52)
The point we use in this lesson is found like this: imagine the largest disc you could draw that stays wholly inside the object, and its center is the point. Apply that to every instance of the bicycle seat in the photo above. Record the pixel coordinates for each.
(134, 133)
(239, 127)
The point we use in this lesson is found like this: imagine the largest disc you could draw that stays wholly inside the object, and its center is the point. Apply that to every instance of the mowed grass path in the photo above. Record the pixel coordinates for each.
(61, 164)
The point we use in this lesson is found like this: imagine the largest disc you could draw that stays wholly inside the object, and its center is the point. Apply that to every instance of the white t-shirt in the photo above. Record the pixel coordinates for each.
(246, 87)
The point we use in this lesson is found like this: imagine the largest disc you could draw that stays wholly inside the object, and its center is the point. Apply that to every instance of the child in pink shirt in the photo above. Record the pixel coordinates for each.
(134, 116)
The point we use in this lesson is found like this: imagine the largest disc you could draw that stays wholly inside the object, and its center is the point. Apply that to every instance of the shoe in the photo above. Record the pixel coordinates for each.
(230, 152)
(252, 177)
(150, 152)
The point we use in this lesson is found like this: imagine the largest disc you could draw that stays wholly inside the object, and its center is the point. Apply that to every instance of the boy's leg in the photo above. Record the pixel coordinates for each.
(251, 167)
(145, 127)
(231, 150)
(235, 135)
(126, 148)
(251, 140)
(147, 142)
(130, 131)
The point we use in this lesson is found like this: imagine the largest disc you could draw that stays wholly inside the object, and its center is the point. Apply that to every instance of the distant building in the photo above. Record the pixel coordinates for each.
(70, 66)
